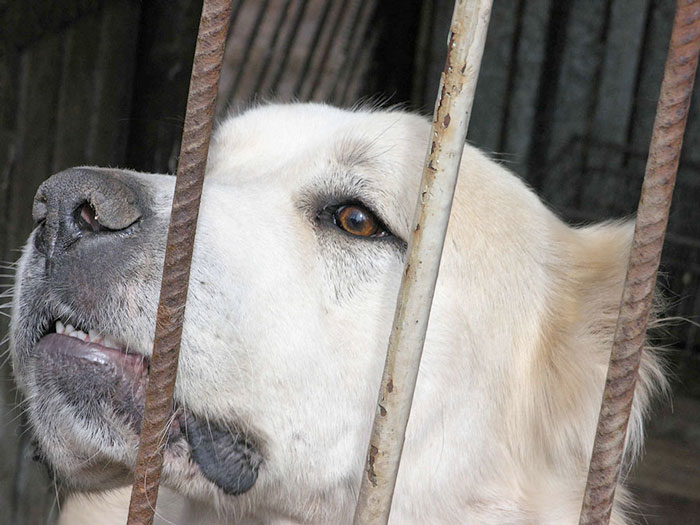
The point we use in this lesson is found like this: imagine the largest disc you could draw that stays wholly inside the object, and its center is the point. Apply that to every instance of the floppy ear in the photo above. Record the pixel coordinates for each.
(594, 272)
(598, 265)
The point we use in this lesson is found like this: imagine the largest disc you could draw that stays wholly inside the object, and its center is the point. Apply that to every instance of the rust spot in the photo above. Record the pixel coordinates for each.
(382, 411)
(417, 226)
(372, 456)
(446, 120)
(390, 386)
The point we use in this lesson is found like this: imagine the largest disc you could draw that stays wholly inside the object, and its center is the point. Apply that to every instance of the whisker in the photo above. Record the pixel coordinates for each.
(676, 320)
(56, 493)
(5, 356)
(22, 412)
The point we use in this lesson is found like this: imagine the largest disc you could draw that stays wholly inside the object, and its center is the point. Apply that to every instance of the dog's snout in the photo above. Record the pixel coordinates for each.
(81, 200)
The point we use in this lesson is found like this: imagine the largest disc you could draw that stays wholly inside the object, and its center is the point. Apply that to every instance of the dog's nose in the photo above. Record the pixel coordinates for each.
(78, 201)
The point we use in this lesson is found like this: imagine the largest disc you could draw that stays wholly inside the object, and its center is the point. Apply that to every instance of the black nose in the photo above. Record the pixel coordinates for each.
(81, 201)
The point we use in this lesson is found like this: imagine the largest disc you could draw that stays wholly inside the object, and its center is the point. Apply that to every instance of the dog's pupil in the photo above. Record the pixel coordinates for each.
(356, 220)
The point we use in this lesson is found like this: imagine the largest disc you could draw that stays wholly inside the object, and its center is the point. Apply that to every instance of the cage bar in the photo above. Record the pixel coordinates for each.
(450, 120)
(647, 244)
(199, 117)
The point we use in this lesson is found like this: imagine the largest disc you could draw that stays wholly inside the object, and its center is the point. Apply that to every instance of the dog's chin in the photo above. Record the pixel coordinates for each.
(86, 409)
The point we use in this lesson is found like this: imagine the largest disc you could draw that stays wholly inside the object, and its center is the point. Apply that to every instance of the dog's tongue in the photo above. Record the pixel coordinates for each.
(225, 457)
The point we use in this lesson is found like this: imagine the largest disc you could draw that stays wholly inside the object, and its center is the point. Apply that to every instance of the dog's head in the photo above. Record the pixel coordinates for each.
(300, 247)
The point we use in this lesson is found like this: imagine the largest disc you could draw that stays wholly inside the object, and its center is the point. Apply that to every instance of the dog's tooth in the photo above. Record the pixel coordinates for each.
(93, 335)
(60, 328)
(80, 335)
(109, 342)
(69, 329)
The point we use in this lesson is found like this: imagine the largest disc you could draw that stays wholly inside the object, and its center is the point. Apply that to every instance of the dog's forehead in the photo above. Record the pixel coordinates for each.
(279, 136)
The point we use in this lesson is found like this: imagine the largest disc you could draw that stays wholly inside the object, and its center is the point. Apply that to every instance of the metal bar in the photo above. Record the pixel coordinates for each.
(652, 217)
(289, 44)
(224, 93)
(272, 48)
(452, 111)
(327, 48)
(201, 103)
(352, 50)
(241, 69)
(361, 56)
(312, 48)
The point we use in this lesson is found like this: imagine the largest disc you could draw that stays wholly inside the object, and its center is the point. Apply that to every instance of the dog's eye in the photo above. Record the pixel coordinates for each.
(358, 220)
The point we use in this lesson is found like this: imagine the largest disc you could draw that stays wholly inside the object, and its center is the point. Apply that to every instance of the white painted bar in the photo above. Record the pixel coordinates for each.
(452, 111)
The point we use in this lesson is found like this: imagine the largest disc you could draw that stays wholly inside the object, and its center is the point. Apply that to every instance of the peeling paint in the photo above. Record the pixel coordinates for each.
(371, 458)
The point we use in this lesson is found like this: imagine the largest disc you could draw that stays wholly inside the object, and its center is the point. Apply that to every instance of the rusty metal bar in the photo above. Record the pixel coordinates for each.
(452, 111)
(652, 217)
(201, 103)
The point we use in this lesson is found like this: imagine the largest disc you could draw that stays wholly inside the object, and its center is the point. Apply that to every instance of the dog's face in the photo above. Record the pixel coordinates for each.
(298, 257)
(299, 253)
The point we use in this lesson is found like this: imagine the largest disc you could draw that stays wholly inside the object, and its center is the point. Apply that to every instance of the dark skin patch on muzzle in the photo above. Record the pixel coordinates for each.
(226, 458)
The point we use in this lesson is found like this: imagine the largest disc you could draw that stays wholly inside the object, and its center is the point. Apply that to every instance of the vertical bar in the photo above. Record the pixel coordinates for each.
(201, 103)
(241, 69)
(652, 217)
(289, 44)
(452, 110)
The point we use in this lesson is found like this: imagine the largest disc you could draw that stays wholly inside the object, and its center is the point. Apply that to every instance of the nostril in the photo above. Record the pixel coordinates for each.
(40, 209)
(87, 218)
(83, 202)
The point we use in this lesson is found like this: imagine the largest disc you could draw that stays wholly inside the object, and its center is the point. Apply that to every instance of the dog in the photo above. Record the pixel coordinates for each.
(302, 238)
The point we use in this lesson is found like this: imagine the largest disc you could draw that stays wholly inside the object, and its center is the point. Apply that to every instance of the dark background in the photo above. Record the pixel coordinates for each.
(566, 99)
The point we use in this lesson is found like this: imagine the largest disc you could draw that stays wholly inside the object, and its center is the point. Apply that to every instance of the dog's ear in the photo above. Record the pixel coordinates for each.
(596, 266)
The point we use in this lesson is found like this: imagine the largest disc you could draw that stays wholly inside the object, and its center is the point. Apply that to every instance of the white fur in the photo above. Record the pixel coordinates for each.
(286, 331)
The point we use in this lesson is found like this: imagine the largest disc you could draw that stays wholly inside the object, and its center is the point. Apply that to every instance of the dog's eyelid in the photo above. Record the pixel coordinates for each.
(329, 211)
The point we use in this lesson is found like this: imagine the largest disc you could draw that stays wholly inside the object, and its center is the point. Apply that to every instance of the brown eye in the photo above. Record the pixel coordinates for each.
(358, 220)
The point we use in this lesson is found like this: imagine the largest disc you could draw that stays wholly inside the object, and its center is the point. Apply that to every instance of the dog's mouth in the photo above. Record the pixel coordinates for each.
(88, 368)
(73, 343)
(103, 382)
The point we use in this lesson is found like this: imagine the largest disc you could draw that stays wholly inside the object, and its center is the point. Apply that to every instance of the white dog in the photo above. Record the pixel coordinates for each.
(299, 254)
